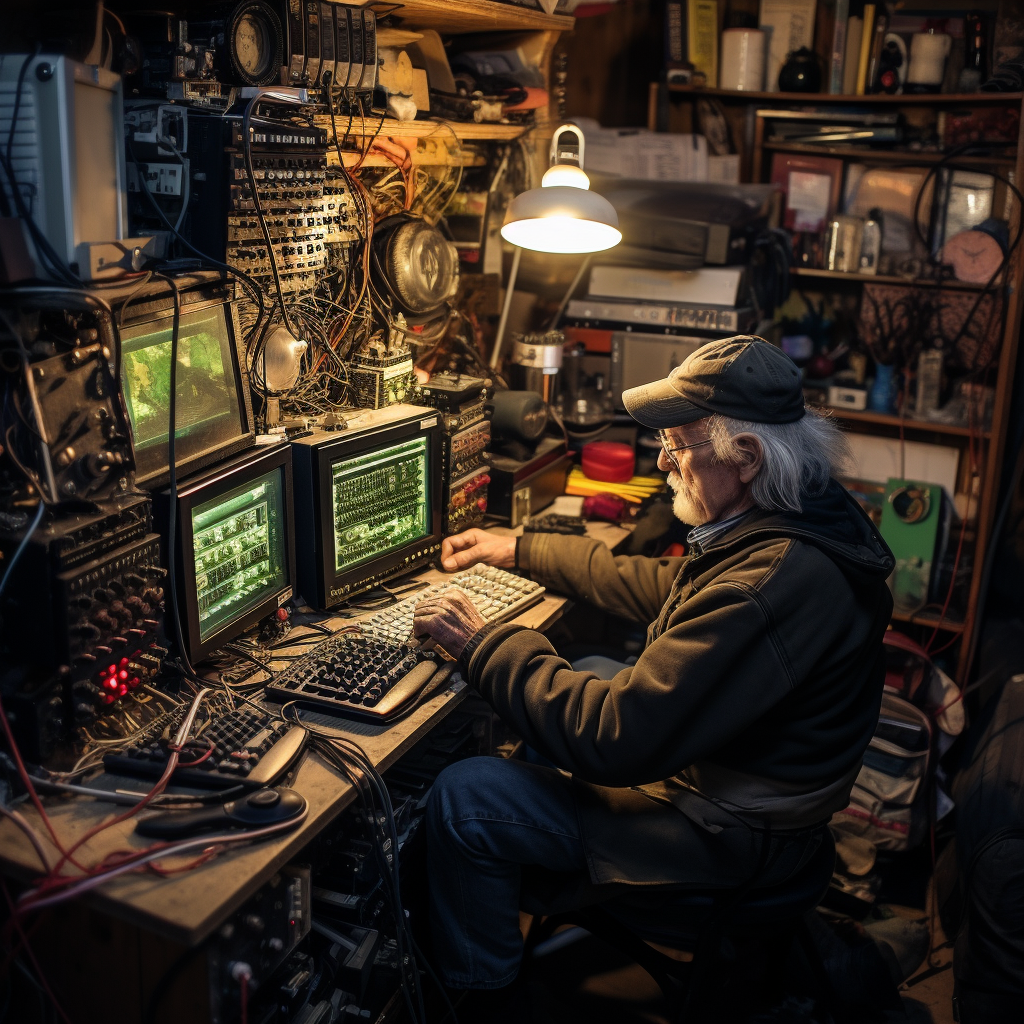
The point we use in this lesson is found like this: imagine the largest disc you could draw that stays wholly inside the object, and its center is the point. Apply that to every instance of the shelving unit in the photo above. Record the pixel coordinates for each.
(533, 30)
(674, 107)
(884, 156)
(916, 282)
(458, 17)
(818, 99)
(908, 424)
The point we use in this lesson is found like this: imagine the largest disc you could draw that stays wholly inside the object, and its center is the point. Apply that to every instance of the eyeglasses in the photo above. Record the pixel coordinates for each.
(665, 439)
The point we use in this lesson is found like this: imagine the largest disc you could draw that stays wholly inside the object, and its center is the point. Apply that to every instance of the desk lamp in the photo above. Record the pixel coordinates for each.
(562, 216)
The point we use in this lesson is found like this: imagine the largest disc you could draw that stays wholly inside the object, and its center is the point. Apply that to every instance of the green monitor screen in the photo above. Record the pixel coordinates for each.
(239, 542)
(208, 410)
(379, 502)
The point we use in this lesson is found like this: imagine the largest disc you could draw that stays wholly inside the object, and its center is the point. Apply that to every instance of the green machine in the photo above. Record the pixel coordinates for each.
(915, 522)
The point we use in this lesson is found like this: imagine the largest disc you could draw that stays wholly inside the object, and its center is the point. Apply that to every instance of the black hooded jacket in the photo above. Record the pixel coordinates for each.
(760, 683)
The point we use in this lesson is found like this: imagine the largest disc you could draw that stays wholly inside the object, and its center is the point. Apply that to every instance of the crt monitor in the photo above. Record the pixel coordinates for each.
(234, 546)
(367, 502)
(213, 409)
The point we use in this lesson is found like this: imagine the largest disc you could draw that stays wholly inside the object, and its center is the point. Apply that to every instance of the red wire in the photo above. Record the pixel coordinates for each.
(205, 757)
(33, 795)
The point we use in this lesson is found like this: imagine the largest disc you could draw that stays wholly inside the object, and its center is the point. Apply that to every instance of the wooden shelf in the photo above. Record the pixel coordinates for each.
(815, 98)
(467, 131)
(456, 17)
(931, 619)
(892, 156)
(839, 275)
(432, 138)
(888, 420)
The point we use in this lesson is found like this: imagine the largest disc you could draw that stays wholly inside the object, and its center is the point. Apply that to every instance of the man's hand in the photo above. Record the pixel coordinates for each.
(450, 620)
(466, 549)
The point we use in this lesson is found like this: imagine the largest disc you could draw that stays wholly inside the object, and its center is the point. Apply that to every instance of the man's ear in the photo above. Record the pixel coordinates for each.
(751, 455)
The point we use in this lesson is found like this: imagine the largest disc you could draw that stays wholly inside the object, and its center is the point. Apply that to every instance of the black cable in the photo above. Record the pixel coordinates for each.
(172, 512)
(24, 544)
(258, 208)
(242, 276)
(353, 762)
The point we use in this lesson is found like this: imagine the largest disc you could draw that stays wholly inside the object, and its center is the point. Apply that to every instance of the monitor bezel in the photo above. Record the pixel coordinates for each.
(332, 449)
(206, 487)
(160, 308)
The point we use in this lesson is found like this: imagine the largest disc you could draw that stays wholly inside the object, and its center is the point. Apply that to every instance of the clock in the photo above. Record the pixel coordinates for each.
(255, 43)
(974, 255)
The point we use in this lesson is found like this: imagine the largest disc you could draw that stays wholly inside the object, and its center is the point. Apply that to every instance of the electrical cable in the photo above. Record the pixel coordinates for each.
(23, 544)
(256, 290)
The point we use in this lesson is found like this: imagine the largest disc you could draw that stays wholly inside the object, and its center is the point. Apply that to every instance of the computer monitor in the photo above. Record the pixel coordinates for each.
(213, 409)
(367, 502)
(234, 546)
(68, 156)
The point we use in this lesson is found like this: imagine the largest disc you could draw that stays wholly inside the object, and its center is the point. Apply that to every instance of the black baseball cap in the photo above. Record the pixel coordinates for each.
(744, 378)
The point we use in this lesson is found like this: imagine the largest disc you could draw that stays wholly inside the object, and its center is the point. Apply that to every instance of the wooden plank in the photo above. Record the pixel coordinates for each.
(456, 17)
(1000, 424)
(890, 156)
(819, 99)
(187, 908)
(466, 131)
(839, 275)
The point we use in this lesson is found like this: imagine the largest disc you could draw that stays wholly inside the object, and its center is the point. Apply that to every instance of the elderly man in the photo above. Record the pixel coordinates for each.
(719, 756)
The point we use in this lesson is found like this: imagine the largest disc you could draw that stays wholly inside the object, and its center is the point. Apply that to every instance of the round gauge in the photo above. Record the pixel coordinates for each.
(255, 44)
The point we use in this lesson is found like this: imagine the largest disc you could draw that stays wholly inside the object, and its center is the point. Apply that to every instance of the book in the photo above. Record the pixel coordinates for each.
(875, 57)
(865, 47)
(854, 31)
(789, 24)
(702, 38)
(675, 34)
(835, 78)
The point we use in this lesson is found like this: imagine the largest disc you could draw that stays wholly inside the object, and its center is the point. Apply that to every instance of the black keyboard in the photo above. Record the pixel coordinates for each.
(357, 676)
(249, 747)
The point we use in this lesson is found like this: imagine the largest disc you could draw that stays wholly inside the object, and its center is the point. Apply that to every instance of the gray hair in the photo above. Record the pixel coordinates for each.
(798, 458)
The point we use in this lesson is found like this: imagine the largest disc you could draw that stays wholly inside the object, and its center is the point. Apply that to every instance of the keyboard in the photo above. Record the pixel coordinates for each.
(497, 594)
(357, 676)
(250, 748)
(379, 673)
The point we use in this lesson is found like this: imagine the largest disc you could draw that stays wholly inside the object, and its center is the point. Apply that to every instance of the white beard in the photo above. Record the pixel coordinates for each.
(683, 506)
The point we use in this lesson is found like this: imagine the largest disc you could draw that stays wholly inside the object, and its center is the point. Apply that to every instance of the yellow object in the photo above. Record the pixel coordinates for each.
(633, 490)
(702, 29)
(865, 47)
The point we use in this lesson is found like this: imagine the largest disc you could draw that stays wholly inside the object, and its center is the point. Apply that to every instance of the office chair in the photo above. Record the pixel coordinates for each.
(705, 949)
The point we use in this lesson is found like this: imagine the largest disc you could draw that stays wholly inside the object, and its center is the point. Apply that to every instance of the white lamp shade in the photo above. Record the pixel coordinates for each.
(560, 218)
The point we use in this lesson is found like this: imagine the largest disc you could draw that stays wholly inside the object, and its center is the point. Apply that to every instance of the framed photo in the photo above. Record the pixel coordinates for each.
(811, 185)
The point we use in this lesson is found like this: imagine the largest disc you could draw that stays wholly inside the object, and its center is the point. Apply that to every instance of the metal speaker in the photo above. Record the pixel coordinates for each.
(282, 360)
(255, 43)
(418, 264)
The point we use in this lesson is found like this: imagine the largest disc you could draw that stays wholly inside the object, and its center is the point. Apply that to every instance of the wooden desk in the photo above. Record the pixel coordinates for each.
(187, 908)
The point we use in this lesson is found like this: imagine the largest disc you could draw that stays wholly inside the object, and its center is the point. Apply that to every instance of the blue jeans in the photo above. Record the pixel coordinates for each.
(487, 819)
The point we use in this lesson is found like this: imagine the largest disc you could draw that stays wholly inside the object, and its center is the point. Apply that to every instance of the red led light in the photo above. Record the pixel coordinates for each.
(110, 684)
(134, 681)
(122, 689)
(124, 663)
(122, 674)
(112, 669)
(108, 698)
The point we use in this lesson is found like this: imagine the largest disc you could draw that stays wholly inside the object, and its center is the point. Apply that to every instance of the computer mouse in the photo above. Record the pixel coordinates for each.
(255, 810)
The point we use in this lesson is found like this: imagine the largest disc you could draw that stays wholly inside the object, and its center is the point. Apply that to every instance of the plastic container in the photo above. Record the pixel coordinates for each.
(608, 461)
